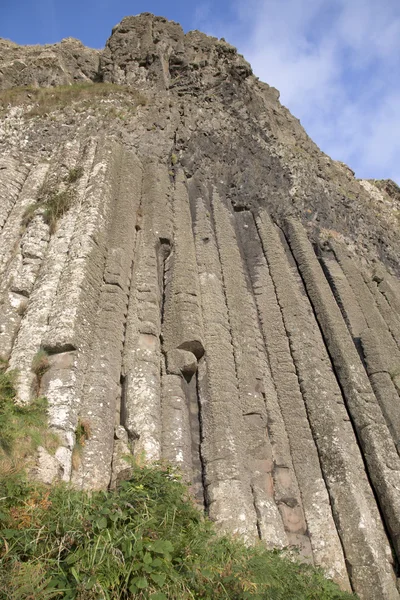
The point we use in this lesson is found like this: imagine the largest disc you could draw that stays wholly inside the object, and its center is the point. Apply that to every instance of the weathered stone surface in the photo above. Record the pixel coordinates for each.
(284, 319)
(142, 350)
(391, 316)
(12, 177)
(382, 381)
(379, 450)
(286, 490)
(371, 333)
(176, 438)
(74, 307)
(251, 369)
(121, 469)
(182, 323)
(370, 310)
(179, 322)
(227, 485)
(48, 467)
(58, 64)
(181, 362)
(38, 277)
(345, 297)
(101, 389)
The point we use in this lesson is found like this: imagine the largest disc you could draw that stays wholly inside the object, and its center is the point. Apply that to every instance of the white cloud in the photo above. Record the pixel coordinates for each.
(337, 65)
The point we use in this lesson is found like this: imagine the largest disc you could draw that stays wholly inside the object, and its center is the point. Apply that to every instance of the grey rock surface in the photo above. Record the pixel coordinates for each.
(215, 292)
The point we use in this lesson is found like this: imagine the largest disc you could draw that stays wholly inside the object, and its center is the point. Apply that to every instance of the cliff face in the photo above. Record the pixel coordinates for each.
(206, 287)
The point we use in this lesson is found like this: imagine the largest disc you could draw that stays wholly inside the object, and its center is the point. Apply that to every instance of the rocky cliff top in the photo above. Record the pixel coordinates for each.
(205, 107)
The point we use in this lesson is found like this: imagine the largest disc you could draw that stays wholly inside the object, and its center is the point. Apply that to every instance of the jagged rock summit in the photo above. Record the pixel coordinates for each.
(203, 285)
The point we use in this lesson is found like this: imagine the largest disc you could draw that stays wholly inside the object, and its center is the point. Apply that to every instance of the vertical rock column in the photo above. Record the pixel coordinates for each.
(371, 338)
(182, 334)
(345, 297)
(390, 288)
(141, 411)
(182, 322)
(376, 443)
(392, 317)
(14, 302)
(369, 309)
(380, 377)
(12, 177)
(281, 315)
(286, 489)
(41, 260)
(71, 321)
(227, 484)
(101, 389)
(251, 369)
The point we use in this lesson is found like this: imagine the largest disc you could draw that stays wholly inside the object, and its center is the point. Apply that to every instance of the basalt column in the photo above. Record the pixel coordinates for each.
(228, 493)
(182, 334)
(369, 423)
(141, 408)
(14, 298)
(366, 550)
(370, 334)
(280, 516)
(101, 392)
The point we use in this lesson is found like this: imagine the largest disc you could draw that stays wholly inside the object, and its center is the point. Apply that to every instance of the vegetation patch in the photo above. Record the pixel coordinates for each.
(42, 101)
(82, 434)
(40, 364)
(74, 174)
(53, 202)
(23, 429)
(56, 205)
(146, 540)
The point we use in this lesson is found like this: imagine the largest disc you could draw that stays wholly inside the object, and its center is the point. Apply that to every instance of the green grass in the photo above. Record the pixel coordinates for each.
(145, 540)
(22, 429)
(42, 101)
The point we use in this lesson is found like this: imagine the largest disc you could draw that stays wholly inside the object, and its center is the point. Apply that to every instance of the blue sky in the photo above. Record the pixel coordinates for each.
(335, 62)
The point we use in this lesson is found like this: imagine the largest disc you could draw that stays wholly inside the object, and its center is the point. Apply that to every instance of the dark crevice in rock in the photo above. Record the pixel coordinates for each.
(163, 252)
(122, 413)
(205, 498)
(257, 511)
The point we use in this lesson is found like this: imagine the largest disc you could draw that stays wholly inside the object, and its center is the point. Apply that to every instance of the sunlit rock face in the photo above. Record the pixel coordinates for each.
(210, 289)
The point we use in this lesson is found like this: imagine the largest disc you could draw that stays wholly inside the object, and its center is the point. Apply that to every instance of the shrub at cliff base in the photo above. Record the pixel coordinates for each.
(145, 540)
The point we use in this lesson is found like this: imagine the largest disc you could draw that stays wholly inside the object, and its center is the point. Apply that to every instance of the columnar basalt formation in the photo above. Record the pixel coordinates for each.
(202, 298)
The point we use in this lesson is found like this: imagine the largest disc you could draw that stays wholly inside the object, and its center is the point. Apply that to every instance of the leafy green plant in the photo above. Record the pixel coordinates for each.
(145, 540)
